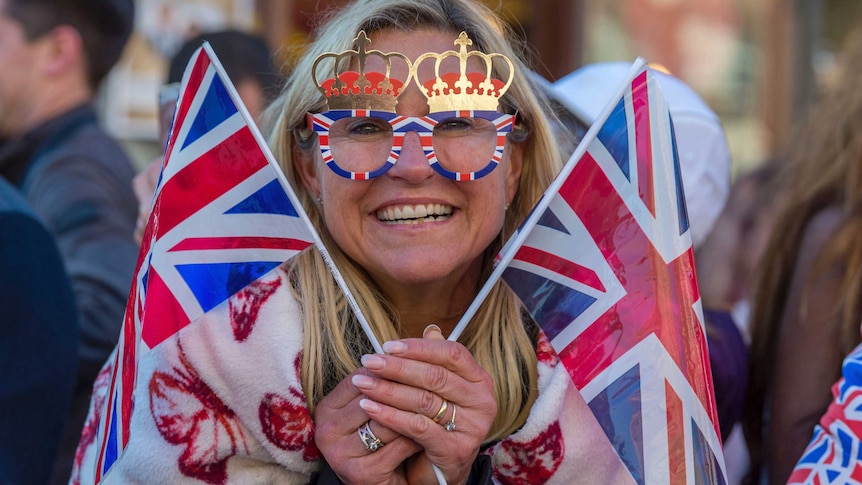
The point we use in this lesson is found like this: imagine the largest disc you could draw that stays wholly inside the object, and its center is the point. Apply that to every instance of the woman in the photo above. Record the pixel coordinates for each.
(289, 390)
(806, 308)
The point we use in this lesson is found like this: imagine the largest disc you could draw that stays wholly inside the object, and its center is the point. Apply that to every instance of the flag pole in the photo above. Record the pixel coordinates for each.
(517, 240)
(293, 200)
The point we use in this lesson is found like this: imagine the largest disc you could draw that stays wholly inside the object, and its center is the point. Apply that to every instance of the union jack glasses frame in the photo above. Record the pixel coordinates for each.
(424, 126)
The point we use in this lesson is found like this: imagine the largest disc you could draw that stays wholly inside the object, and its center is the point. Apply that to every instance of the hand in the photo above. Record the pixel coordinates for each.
(144, 186)
(337, 419)
(405, 389)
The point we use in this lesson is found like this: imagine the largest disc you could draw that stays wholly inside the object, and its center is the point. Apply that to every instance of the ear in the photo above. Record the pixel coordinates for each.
(305, 166)
(513, 169)
(64, 49)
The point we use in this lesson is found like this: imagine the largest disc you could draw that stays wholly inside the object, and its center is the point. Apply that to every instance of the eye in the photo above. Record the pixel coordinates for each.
(368, 128)
(451, 126)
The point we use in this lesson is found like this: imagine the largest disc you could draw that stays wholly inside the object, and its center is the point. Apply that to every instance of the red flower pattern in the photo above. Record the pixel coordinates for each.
(91, 426)
(534, 461)
(545, 352)
(286, 421)
(188, 412)
(245, 305)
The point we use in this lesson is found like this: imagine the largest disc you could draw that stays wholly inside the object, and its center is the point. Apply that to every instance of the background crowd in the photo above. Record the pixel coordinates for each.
(778, 240)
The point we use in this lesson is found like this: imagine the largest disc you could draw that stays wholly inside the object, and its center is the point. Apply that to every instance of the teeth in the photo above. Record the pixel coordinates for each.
(415, 214)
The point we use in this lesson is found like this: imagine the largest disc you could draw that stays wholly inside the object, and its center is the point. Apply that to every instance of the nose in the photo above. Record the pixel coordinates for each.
(412, 164)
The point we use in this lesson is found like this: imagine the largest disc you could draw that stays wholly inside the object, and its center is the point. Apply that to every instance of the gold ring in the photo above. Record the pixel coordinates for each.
(443, 407)
(450, 426)
(372, 443)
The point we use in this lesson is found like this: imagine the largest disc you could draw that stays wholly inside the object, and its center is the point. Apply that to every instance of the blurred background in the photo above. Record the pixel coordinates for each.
(758, 63)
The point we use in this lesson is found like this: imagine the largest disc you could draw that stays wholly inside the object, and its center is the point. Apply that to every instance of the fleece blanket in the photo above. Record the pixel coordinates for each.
(221, 402)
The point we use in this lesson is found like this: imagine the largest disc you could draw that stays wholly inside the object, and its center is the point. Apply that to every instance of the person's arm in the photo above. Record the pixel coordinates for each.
(807, 359)
(38, 349)
(91, 213)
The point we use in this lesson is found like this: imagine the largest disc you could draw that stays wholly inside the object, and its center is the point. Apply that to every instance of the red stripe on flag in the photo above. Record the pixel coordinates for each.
(215, 172)
(201, 65)
(676, 436)
(163, 315)
(643, 141)
(560, 265)
(130, 367)
(203, 243)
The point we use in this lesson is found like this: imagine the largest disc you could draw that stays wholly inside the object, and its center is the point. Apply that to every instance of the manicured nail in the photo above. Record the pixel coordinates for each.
(430, 328)
(394, 347)
(362, 381)
(369, 406)
(373, 362)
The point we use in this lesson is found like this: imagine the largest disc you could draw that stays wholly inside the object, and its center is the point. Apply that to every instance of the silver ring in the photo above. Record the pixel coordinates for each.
(372, 443)
(450, 426)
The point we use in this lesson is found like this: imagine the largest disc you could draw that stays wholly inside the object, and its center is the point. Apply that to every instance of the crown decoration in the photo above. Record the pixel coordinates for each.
(463, 90)
(359, 90)
(376, 90)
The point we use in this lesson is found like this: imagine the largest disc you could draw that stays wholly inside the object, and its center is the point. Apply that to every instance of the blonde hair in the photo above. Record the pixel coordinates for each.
(823, 171)
(500, 338)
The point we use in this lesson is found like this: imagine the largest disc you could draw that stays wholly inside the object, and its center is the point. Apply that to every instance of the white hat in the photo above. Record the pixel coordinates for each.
(703, 151)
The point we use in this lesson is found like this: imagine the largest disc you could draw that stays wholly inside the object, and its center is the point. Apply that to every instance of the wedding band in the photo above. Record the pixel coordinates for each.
(443, 407)
(372, 443)
(450, 426)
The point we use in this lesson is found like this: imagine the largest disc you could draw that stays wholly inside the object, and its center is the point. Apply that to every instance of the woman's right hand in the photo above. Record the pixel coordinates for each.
(338, 418)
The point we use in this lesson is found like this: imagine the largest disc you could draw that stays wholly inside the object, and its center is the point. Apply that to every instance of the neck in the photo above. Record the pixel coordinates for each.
(54, 101)
(440, 302)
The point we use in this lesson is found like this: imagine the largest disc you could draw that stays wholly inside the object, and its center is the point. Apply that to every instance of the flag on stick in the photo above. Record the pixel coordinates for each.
(223, 215)
(605, 266)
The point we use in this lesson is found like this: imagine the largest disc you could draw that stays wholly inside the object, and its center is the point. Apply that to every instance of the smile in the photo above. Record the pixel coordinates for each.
(414, 214)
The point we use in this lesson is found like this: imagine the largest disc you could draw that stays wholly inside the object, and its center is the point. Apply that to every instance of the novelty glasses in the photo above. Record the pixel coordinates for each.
(364, 144)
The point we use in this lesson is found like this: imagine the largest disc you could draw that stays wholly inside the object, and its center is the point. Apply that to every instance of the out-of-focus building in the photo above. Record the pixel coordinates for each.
(757, 63)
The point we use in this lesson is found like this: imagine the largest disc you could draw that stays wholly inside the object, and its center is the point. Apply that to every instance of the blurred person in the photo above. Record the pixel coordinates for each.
(248, 62)
(807, 302)
(281, 385)
(55, 54)
(38, 343)
(733, 249)
(705, 166)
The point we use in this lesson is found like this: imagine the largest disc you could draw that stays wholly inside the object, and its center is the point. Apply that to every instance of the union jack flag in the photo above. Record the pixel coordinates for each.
(605, 266)
(222, 216)
(834, 454)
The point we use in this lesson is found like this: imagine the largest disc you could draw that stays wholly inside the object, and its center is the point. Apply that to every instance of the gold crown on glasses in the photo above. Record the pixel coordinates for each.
(363, 89)
(463, 90)
(345, 89)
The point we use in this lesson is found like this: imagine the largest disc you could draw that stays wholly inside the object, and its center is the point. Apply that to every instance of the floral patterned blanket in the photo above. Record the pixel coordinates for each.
(221, 402)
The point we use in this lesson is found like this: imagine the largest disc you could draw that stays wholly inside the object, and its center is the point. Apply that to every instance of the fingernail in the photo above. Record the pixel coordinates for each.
(362, 381)
(430, 328)
(369, 406)
(394, 347)
(373, 362)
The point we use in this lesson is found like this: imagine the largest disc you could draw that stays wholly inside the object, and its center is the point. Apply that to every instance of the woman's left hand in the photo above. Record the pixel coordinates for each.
(407, 390)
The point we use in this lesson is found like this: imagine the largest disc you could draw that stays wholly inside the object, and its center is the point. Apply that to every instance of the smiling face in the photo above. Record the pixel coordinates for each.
(411, 228)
